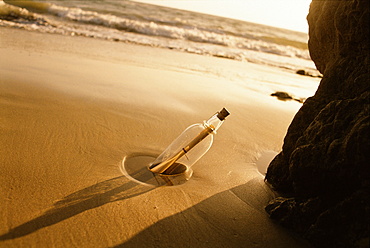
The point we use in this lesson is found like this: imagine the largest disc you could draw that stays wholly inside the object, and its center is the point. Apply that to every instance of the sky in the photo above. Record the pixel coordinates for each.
(288, 14)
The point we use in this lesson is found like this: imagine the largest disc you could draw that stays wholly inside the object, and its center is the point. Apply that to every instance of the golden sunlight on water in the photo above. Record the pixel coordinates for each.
(288, 14)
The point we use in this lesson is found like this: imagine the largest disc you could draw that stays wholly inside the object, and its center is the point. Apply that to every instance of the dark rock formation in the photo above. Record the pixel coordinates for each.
(302, 72)
(307, 73)
(284, 96)
(323, 169)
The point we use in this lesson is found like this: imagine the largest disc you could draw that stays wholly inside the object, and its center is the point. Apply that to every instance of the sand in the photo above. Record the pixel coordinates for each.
(73, 108)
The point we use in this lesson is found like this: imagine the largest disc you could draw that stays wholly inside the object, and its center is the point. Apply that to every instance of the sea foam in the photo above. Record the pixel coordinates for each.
(168, 28)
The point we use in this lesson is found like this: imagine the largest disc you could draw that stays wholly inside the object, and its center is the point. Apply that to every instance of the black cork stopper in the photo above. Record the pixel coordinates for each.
(223, 114)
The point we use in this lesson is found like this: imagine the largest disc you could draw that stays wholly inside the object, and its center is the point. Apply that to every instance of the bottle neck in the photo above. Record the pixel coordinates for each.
(214, 122)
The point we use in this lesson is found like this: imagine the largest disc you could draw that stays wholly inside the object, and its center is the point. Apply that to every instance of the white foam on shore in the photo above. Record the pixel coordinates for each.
(251, 43)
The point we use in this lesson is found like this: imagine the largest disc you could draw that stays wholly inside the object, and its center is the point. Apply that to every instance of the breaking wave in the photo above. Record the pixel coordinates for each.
(175, 31)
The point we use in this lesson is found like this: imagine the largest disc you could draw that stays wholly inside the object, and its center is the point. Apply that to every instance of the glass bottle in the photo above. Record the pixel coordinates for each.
(189, 147)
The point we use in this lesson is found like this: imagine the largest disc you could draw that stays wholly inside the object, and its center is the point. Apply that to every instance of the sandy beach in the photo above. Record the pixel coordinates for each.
(73, 108)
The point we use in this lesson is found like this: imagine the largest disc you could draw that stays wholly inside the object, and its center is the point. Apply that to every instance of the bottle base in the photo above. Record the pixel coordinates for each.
(135, 168)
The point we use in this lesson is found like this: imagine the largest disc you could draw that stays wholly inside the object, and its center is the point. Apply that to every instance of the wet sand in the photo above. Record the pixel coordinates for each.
(72, 109)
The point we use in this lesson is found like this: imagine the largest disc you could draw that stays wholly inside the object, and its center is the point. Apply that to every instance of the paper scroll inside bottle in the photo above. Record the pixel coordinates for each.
(189, 147)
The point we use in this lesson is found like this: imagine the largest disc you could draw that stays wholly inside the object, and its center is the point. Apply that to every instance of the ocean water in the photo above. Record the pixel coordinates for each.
(150, 25)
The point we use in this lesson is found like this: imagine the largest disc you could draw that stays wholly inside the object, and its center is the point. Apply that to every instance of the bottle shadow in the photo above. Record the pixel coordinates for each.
(95, 196)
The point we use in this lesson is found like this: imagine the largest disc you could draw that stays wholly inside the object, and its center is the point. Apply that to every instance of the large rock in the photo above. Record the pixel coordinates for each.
(323, 169)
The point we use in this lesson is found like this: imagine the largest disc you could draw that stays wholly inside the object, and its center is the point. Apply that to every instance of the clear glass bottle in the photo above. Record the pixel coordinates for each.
(189, 147)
